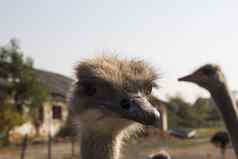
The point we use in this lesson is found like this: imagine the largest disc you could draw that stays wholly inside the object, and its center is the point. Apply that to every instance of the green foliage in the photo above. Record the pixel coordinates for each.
(20, 81)
(202, 113)
(206, 111)
(183, 112)
(9, 117)
(67, 131)
(19, 87)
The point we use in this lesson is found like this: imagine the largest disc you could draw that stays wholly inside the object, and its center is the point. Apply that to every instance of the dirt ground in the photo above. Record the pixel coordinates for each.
(135, 149)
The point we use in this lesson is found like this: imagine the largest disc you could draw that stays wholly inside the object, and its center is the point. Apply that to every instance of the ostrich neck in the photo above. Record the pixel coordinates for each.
(99, 145)
(229, 110)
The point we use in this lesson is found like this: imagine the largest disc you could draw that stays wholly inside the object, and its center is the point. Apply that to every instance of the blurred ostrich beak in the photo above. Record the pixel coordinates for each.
(188, 78)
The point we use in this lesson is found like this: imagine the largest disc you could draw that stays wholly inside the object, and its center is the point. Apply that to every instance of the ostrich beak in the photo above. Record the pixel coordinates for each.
(188, 78)
(157, 122)
(143, 112)
(194, 77)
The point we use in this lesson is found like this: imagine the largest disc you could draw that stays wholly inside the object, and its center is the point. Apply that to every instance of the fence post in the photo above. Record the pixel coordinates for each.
(49, 146)
(24, 147)
(72, 145)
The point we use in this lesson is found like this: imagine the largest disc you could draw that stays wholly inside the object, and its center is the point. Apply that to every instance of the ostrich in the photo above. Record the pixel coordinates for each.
(108, 101)
(211, 77)
(161, 155)
(221, 140)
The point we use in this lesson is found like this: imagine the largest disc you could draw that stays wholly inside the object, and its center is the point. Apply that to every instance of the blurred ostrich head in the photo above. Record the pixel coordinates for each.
(163, 154)
(208, 76)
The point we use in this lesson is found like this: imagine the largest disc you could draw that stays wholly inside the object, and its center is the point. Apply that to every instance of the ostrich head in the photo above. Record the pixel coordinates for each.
(111, 93)
(208, 76)
(161, 155)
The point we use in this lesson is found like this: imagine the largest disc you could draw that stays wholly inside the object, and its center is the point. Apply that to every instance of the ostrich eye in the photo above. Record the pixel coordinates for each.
(148, 89)
(89, 89)
(125, 104)
(208, 71)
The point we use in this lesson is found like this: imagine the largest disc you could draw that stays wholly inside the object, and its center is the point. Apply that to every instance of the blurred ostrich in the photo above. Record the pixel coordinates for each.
(109, 97)
(161, 155)
(221, 140)
(212, 78)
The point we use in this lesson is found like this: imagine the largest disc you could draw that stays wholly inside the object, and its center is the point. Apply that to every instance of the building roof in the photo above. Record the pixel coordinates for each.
(57, 84)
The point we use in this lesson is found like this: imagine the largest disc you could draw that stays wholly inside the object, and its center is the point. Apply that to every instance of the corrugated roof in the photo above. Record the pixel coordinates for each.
(57, 84)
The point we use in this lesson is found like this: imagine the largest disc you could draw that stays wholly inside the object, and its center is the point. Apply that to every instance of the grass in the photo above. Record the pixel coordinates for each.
(204, 135)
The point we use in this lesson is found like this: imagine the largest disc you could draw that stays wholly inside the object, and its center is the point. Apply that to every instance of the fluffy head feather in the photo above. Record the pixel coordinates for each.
(120, 72)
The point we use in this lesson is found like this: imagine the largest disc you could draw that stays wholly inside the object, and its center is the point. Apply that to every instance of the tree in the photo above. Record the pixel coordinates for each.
(213, 114)
(9, 118)
(201, 108)
(20, 78)
(181, 112)
(19, 87)
(202, 113)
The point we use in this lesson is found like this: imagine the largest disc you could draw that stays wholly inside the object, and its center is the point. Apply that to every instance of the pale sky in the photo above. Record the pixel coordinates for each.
(176, 36)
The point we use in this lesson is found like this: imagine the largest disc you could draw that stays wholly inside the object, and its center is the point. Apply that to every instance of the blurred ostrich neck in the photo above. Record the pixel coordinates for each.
(100, 145)
(229, 110)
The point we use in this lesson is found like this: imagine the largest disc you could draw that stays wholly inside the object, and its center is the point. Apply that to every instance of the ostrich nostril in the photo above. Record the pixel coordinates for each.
(125, 104)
